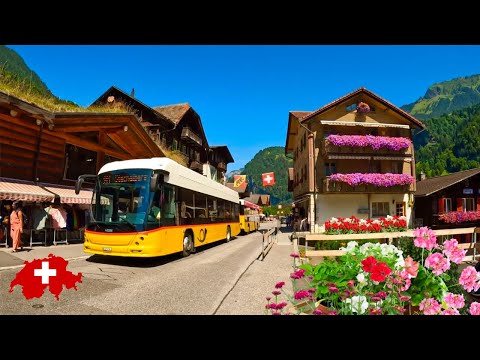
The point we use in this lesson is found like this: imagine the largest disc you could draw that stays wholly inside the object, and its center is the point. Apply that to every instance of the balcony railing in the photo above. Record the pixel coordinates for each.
(196, 165)
(341, 187)
(330, 149)
(191, 137)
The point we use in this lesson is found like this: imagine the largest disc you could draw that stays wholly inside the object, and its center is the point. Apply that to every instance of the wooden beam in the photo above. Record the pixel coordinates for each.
(74, 140)
(86, 128)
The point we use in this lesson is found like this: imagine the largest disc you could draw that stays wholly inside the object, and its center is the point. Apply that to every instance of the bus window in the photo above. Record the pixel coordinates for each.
(185, 198)
(154, 213)
(168, 205)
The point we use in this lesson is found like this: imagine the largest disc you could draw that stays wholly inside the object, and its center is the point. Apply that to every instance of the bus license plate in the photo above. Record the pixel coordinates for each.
(107, 249)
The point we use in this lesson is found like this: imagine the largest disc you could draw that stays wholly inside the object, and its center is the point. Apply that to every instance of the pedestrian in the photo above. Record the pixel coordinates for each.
(16, 225)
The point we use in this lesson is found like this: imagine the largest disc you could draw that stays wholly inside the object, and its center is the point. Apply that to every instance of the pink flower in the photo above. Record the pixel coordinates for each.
(425, 238)
(280, 285)
(430, 306)
(450, 311)
(411, 267)
(453, 252)
(469, 279)
(438, 263)
(475, 308)
(302, 294)
(456, 301)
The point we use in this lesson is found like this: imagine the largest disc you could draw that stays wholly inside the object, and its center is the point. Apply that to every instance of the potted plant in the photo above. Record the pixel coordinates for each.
(363, 107)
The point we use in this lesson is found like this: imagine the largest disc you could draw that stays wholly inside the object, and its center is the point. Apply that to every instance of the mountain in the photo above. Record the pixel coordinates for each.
(231, 174)
(271, 159)
(13, 68)
(451, 143)
(450, 111)
(446, 97)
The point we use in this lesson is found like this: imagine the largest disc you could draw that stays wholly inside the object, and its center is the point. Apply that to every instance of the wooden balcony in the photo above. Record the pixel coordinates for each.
(196, 166)
(191, 137)
(221, 166)
(341, 187)
(330, 149)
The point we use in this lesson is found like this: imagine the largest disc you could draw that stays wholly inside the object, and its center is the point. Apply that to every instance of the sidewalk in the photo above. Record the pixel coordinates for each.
(248, 297)
(9, 260)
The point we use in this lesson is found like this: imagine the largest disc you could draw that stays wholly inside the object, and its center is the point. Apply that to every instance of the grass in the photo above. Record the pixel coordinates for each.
(24, 90)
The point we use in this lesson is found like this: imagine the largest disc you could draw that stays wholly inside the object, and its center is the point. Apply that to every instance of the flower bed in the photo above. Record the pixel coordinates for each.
(382, 180)
(377, 279)
(457, 217)
(353, 225)
(375, 142)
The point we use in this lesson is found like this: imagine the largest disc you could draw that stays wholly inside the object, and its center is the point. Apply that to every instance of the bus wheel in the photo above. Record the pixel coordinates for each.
(187, 244)
(229, 234)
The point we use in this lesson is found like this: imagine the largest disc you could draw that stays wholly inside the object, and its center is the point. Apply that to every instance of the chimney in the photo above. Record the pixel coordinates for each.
(422, 176)
(133, 93)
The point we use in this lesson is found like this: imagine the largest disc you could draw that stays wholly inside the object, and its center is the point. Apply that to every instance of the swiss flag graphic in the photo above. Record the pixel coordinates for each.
(49, 272)
(268, 179)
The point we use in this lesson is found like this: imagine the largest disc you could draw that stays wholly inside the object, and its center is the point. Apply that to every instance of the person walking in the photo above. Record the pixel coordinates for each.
(16, 226)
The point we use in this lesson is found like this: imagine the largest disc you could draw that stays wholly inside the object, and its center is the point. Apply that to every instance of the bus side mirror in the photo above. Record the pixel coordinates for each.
(78, 185)
(80, 180)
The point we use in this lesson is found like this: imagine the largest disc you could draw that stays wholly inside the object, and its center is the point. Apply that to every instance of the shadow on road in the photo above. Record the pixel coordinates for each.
(152, 261)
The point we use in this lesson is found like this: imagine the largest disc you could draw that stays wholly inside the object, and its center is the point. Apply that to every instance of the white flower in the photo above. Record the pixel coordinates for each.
(351, 245)
(361, 278)
(358, 304)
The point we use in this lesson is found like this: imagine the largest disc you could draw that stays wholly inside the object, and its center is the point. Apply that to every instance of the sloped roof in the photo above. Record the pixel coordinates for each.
(300, 114)
(432, 185)
(223, 149)
(174, 112)
(240, 189)
(371, 94)
(134, 102)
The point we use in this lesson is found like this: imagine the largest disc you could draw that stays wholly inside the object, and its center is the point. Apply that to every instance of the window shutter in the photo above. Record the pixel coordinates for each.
(459, 204)
(478, 204)
(441, 206)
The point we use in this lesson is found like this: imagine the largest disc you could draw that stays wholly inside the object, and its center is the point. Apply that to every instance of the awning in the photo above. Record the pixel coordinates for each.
(25, 191)
(68, 196)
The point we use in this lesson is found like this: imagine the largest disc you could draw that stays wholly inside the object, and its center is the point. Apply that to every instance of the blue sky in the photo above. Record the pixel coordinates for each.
(243, 93)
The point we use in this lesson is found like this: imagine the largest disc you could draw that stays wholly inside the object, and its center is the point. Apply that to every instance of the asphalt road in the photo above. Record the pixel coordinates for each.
(225, 278)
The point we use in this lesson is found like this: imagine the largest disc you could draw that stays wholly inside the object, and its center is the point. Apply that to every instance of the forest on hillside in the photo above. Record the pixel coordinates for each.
(450, 143)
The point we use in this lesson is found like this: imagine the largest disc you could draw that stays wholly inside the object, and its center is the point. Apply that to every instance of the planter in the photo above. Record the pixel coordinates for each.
(302, 308)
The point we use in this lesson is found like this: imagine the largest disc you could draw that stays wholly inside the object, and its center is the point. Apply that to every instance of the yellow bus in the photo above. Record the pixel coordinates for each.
(249, 216)
(155, 207)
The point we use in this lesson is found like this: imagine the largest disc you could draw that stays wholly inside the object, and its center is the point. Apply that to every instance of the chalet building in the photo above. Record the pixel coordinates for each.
(42, 153)
(243, 190)
(353, 156)
(259, 199)
(177, 129)
(449, 201)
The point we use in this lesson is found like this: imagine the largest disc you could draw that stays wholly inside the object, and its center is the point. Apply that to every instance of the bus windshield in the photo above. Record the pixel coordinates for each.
(122, 198)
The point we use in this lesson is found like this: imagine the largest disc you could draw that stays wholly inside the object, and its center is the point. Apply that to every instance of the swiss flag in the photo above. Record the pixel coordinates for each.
(268, 179)
(49, 272)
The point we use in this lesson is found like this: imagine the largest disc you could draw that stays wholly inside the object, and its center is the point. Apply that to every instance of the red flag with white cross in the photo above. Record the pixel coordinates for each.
(268, 179)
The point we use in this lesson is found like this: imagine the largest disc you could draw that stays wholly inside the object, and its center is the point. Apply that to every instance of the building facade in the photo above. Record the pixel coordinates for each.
(352, 157)
(449, 201)
(177, 129)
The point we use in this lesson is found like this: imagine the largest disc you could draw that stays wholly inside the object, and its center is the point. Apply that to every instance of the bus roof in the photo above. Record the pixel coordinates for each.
(176, 175)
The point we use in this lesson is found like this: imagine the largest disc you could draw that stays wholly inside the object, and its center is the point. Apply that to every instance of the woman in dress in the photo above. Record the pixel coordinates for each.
(16, 226)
